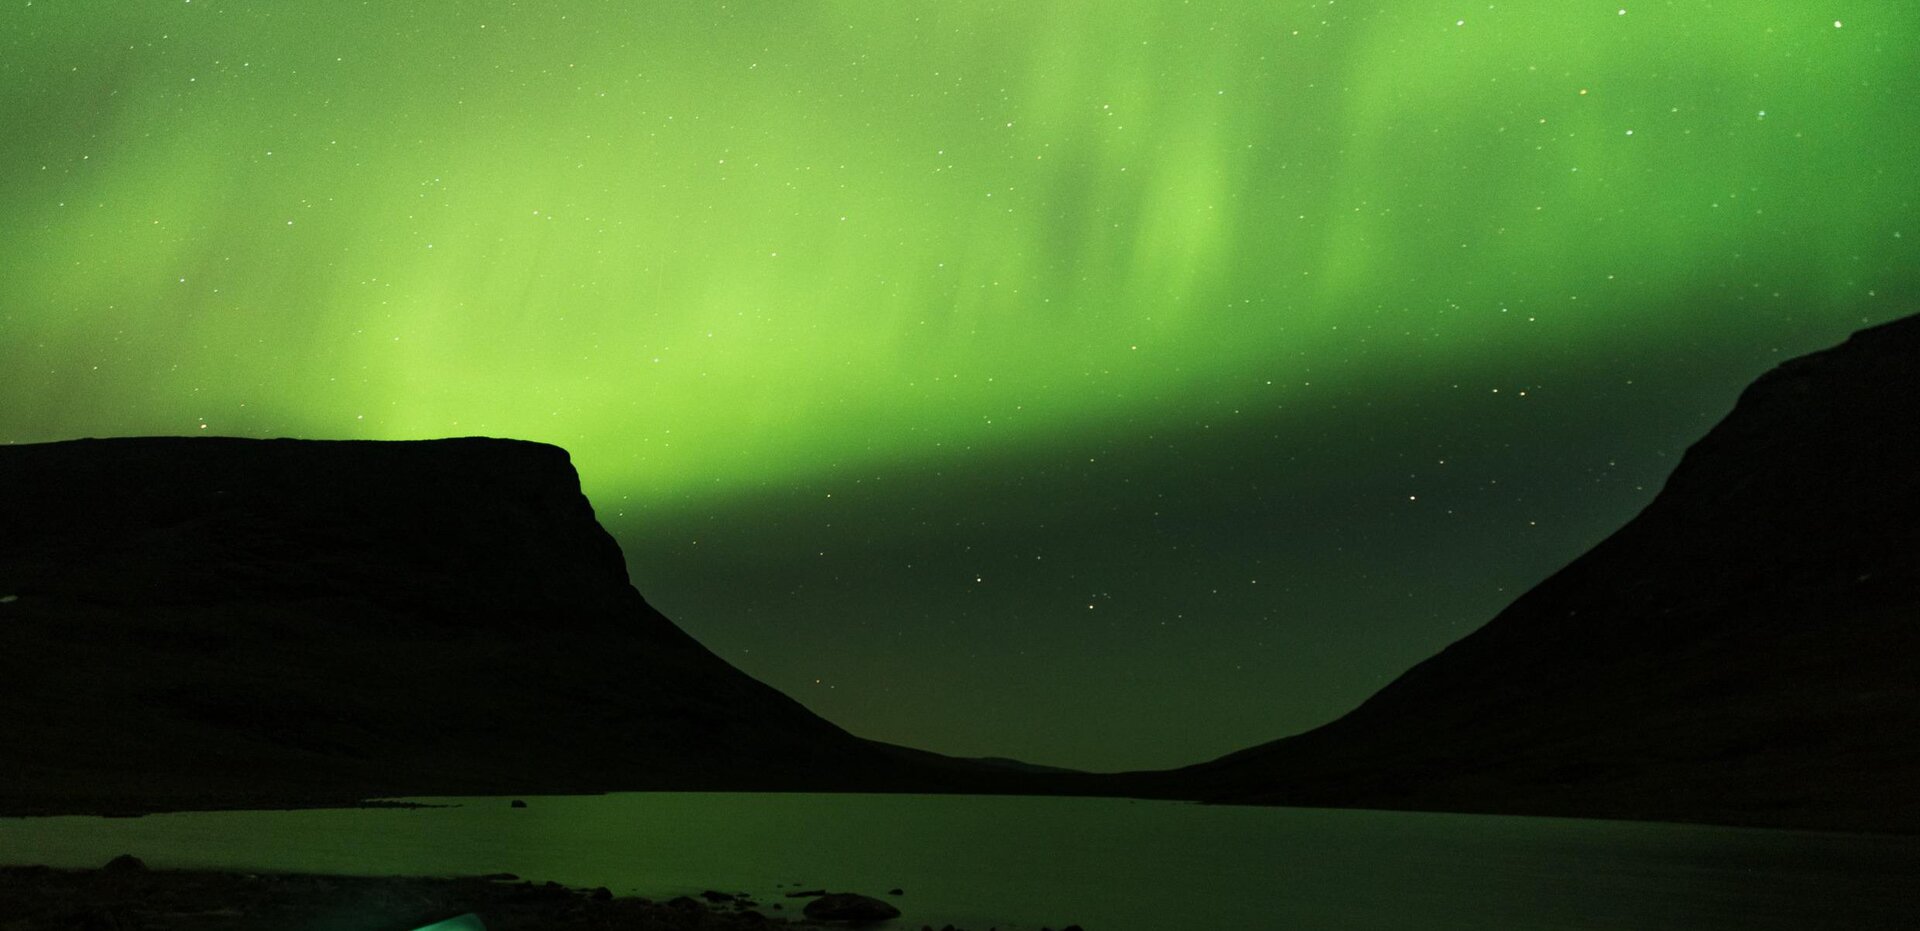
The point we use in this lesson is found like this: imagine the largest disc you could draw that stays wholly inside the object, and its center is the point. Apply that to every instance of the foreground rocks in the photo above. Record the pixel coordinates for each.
(850, 906)
(125, 894)
(33, 898)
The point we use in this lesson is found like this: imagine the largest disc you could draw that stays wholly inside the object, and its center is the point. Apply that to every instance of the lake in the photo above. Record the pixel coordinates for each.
(1107, 864)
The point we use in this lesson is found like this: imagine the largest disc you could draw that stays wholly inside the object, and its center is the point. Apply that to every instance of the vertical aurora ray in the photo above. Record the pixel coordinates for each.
(699, 243)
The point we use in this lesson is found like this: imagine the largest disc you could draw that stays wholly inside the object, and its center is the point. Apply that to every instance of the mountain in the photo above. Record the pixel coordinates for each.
(210, 622)
(1743, 651)
(213, 622)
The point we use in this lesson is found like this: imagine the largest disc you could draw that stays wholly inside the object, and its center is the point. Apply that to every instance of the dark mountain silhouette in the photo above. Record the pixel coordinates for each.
(1746, 650)
(214, 622)
(190, 622)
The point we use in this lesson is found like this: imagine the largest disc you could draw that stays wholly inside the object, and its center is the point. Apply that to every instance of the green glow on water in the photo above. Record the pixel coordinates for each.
(460, 923)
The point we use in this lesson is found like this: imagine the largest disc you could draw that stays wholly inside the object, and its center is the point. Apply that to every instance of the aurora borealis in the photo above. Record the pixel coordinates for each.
(1099, 384)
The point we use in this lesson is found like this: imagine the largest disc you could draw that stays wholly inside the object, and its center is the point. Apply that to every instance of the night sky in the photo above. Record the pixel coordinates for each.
(1103, 384)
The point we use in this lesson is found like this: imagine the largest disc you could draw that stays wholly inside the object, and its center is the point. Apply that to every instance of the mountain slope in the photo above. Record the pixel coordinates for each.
(194, 622)
(1743, 651)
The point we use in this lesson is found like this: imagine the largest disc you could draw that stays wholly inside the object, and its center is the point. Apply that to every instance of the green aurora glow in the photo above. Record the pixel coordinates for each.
(740, 256)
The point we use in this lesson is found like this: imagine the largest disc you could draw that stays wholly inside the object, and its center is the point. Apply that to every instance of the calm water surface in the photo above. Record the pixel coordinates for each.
(1108, 864)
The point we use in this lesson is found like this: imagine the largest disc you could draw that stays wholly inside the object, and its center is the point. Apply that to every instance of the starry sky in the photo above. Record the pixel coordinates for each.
(1103, 384)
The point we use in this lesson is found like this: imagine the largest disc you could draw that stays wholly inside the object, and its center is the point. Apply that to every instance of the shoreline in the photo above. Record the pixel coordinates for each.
(1861, 824)
(140, 808)
(126, 894)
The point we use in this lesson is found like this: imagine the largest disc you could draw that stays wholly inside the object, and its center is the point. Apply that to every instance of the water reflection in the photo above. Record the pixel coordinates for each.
(1108, 864)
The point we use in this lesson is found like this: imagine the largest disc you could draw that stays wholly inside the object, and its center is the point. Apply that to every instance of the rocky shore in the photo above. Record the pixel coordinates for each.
(124, 895)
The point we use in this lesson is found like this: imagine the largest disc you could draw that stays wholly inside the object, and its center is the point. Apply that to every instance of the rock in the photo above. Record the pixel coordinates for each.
(810, 893)
(500, 877)
(684, 902)
(528, 892)
(516, 803)
(125, 863)
(896, 892)
(601, 894)
(849, 906)
(712, 896)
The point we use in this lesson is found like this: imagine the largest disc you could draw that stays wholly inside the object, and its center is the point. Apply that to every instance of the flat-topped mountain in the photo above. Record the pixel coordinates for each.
(213, 621)
(1745, 650)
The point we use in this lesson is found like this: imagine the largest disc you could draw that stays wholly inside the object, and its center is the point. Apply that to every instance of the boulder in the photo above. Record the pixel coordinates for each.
(849, 906)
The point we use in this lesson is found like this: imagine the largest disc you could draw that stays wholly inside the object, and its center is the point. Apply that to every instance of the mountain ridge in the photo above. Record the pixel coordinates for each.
(1740, 651)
